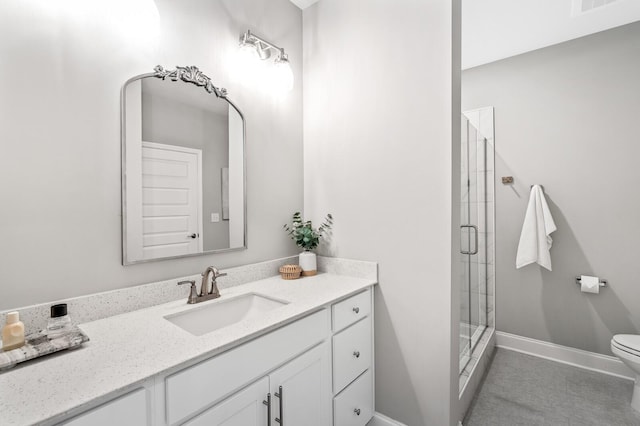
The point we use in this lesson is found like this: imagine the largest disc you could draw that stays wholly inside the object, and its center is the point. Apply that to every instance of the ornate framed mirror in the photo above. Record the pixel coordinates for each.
(183, 167)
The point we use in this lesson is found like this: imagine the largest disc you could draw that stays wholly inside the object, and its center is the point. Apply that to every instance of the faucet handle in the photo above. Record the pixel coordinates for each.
(217, 273)
(193, 294)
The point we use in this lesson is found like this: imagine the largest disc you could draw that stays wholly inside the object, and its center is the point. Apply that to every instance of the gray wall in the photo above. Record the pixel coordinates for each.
(62, 72)
(566, 117)
(378, 126)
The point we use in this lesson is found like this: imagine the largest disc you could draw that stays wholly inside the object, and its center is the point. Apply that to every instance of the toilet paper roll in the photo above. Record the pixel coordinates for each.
(589, 284)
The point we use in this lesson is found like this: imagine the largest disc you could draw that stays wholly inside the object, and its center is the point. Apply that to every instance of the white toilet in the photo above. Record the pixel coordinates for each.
(627, 348)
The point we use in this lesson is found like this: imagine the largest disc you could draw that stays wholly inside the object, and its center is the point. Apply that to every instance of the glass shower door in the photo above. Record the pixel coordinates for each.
(473, 209)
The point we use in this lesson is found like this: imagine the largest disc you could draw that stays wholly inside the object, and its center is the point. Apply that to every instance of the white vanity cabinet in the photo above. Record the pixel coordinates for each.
(193, 390)
(301, 390)
(315, 371)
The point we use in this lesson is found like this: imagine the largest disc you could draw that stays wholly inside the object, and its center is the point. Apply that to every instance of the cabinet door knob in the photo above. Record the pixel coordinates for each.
(356, 354)
(194, 236)
(357, 411)
(356, 310)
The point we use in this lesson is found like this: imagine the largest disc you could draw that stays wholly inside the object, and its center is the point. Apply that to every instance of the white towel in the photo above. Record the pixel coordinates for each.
(535, 239)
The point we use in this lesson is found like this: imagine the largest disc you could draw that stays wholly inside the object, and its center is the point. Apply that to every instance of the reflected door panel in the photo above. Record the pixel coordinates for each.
(171, 200)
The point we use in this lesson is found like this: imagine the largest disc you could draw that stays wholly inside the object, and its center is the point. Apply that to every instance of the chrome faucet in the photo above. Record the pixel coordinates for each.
(205, 293)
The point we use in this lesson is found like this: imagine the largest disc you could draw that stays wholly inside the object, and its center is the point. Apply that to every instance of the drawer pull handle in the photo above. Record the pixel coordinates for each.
(356, 310)
(356, 354)
(268, 404)
(279, 395)
(357, 411)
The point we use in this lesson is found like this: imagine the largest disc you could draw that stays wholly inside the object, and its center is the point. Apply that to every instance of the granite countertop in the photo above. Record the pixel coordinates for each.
(126, 349)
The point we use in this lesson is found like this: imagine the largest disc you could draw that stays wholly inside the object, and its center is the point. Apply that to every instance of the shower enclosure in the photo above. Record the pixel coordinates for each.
(476, 233)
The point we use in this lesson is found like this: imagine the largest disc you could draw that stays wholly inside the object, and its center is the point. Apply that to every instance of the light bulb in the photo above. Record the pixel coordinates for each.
(248, 52)
(246, 61)
(282, 75)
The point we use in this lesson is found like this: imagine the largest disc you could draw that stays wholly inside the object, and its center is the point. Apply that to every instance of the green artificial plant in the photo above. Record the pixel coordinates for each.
(303, 232)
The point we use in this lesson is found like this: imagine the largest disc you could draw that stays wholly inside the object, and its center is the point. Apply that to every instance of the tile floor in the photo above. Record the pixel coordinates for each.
(523, 390)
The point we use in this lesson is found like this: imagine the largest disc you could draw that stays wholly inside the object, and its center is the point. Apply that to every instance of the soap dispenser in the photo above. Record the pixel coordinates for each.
(13, 332)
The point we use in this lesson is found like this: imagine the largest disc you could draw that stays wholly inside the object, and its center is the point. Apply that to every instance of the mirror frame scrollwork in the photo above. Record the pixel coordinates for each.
(190, 74)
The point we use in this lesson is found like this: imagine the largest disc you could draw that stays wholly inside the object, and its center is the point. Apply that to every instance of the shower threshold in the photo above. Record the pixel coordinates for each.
(467, 353)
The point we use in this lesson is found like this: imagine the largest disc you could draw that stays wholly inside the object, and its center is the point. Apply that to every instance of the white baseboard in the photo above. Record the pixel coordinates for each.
(578, 358)
(382, 420)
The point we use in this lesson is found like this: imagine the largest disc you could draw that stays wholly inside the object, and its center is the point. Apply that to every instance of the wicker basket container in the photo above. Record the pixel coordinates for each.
(290, 272)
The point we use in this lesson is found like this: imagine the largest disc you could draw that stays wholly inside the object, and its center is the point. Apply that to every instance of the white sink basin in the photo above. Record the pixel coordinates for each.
(223, 312)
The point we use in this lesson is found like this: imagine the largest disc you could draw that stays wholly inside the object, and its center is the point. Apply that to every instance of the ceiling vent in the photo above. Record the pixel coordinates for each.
(584, 6)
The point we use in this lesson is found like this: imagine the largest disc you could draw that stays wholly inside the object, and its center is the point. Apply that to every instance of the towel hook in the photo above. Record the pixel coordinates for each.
(541, 187)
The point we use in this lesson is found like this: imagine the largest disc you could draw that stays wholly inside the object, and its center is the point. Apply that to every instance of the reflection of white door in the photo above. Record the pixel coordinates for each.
(170, 223)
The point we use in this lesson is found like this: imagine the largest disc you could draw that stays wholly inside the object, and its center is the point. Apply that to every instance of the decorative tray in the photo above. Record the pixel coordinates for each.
(38, 344)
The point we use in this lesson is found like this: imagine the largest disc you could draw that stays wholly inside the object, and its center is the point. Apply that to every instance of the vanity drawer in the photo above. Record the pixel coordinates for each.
(354, 406)
(351, 353)
(351, 310)
(200, 386)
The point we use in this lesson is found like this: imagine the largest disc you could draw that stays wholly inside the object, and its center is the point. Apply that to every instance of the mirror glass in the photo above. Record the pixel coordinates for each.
(183, 165)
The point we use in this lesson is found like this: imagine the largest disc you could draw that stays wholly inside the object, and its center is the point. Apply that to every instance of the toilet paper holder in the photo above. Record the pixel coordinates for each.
(603, 283)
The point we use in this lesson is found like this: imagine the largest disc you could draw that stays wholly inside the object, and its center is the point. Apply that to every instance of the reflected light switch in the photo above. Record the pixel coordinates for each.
(215, 217)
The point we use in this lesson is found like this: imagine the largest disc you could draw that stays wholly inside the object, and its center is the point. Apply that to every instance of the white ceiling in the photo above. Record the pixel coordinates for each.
(498, 29)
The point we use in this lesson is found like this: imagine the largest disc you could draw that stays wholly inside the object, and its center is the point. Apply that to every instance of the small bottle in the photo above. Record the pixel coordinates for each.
(13, 332)
(59, 323)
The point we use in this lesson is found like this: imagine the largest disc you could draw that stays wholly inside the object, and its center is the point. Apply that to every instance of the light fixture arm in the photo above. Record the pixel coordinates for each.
(254, 47)
(264, 47)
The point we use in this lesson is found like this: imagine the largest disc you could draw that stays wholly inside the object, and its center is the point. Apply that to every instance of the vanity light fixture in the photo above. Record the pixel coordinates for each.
(253, 47)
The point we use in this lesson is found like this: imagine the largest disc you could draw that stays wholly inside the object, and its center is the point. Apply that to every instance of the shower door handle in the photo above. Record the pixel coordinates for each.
(475, 233)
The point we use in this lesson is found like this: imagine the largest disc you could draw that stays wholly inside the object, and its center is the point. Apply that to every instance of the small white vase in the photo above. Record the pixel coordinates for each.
(307, 261)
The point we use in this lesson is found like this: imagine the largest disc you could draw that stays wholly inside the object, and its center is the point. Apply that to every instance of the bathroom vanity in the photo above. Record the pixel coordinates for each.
(306, 361)
(267, 352)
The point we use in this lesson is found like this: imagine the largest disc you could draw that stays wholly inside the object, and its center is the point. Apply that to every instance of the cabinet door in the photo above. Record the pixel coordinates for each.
(130, 409)
(301, 390)
(244, 408)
